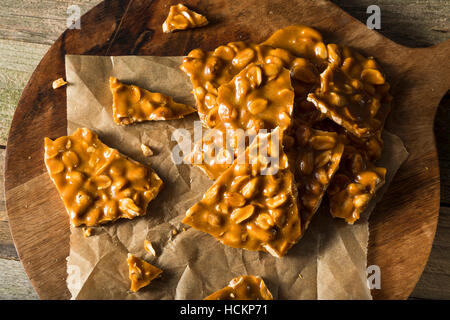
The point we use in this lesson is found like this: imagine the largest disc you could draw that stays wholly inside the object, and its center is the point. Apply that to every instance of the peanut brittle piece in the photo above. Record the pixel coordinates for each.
(96, 183)
(310, 52)
(141, 273)
(300, 41)
(212, 154)
(315, 158)
(132, 104)
(253, 204)
(354, 185)
(243, 288)
(353, 92)
(371, 146)
(182, 18)
(253, 100)
(210, 70)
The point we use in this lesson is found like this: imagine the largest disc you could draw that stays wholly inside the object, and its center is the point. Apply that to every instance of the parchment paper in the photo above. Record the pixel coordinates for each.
(329, 262)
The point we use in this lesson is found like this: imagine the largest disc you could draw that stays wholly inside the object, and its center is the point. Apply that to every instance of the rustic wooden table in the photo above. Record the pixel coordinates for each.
(28, 28)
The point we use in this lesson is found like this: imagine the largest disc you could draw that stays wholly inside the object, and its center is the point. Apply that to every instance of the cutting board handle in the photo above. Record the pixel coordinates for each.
(436, 61)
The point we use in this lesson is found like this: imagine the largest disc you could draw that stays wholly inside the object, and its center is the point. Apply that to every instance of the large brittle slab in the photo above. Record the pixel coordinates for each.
(353, 92)
(182, 18)
(95, 182)
(132, 104)
(243, 288)
(253, 204)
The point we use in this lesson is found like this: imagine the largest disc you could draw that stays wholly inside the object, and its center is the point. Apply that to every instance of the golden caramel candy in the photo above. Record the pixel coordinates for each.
(354, 185)
(253, 204)
(211, 154)
(96, 183)
(251, 101)
(132, 104)
(315, 158)
(353, 92)
(301, 41)
(210, 70)
(141, 273)
(243, 288)
(181, 18)
(331, 83)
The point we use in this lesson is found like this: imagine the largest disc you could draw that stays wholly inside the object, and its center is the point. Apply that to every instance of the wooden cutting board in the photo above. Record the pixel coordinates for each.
(403, 225)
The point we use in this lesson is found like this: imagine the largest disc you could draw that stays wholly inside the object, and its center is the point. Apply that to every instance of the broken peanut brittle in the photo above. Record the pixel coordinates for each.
(354, 185)
(182, 18)
(243, 288)
(300, 41)
(96, 183)
(315, 158)
(252, 100)
(255, 99)
(141, 273)
(210, 70)
(353, 92)
(253, 204)
(132, 104)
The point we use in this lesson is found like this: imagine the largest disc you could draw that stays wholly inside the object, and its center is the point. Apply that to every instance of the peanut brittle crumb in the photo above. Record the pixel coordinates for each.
(58, 83)
(146, 151)
(243, 288)
(87, 232)
(181, 18)
(149, 247)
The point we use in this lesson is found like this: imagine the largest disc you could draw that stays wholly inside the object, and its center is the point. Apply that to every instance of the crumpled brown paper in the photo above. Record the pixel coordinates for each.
(329, 262)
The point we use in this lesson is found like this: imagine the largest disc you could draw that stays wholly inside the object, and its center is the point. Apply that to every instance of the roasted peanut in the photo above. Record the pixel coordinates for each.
(257, 106)
(250, 189)
(372, 76)
(307, 163)
(239, 215)
(234, 199)
(212, 194)
(323, 142)
(277, 201)
(243, 58)
(264, 221)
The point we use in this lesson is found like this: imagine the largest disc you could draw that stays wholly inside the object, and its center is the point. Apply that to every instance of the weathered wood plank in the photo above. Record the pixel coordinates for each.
(14, 281)
(419, 23)
(37, 21)
(435, 280)
(7, 249)
(3, 216)
(17, 63)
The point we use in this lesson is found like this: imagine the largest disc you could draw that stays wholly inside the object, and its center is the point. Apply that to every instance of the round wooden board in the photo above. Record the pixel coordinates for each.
(403, 225)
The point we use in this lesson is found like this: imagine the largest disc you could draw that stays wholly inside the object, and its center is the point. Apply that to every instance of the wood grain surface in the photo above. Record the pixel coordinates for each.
(141, 40)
